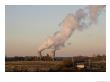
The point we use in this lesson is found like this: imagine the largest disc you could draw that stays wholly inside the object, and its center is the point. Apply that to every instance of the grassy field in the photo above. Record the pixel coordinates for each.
(51, 66)
(33, 66)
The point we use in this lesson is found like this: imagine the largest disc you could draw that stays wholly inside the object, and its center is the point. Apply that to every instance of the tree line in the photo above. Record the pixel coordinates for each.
(47, 58)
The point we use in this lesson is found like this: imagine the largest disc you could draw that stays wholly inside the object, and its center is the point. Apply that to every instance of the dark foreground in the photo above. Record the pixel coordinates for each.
(66, 65)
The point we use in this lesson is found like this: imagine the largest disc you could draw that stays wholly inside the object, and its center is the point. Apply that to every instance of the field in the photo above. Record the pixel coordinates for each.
(62, 65)
(33, 66)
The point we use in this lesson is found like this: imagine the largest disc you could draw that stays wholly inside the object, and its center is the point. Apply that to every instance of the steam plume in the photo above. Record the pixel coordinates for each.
(80, 19)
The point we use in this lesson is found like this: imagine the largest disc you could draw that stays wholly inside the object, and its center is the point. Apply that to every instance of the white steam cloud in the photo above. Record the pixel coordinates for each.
(80, 19)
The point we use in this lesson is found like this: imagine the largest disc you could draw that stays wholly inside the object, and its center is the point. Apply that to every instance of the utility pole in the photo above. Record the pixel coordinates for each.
(73, 61)
(89, 64)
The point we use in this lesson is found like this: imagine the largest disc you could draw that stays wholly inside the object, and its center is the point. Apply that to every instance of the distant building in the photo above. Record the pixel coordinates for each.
(80, 65)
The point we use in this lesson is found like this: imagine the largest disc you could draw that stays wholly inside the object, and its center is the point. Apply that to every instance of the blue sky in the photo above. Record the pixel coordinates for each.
(28, 26)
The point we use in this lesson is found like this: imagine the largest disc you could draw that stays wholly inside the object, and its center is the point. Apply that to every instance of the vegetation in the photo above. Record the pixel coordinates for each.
(62, 64)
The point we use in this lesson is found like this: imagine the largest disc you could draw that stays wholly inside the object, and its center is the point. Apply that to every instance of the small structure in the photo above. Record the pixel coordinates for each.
(80, 65)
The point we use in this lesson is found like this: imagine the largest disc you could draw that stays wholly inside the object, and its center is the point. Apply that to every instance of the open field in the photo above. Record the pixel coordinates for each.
(55, 66)
(33, 65)
(30, 65)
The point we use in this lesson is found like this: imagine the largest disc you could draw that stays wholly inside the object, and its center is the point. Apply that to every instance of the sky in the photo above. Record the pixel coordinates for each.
(27, 27)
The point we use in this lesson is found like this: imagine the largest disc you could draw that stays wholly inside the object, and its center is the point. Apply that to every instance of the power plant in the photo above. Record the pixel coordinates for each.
(80, 19)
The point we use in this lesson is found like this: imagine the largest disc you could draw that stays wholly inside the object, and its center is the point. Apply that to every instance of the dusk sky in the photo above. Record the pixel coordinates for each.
(27, 27)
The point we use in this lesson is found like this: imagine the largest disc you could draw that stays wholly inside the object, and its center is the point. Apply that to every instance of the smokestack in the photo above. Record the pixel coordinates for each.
(51, 53)
(82, 18)
(40, 55)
